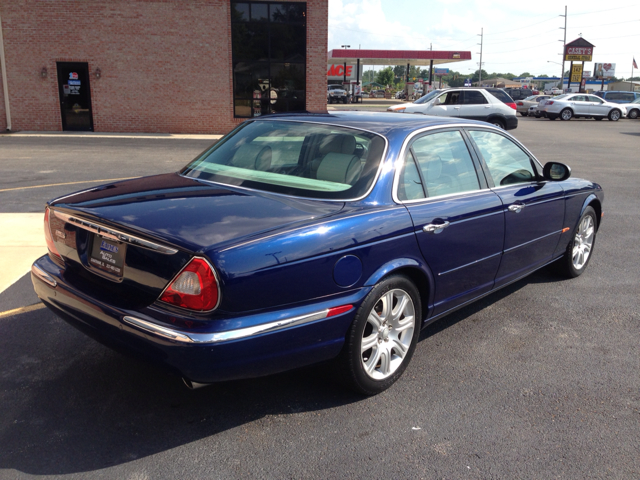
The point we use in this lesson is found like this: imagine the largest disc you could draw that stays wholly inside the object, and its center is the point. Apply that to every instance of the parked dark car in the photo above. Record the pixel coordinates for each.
(518, 93)
(618, 96)
(302, 238)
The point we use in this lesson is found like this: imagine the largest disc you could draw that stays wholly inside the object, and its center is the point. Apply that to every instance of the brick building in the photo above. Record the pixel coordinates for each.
(172, 66)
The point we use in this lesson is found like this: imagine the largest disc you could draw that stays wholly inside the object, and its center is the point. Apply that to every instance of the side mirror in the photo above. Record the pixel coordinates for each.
(556, 172)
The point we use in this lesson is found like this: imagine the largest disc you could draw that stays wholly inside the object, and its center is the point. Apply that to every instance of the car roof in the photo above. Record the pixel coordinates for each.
(382, 123)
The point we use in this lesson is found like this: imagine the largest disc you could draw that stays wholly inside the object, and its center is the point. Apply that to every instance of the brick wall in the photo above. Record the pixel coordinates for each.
(165, 64)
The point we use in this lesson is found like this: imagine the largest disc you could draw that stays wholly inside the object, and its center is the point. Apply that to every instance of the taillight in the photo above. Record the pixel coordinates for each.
(47, 235)
(195, 287)
(549, 102)
(520, 103)
(512, 105)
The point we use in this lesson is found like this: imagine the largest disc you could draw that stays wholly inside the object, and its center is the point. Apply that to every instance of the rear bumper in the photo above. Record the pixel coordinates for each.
(512, 122)
(241, 347)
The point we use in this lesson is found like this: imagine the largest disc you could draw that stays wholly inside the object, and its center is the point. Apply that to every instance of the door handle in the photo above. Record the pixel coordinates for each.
(457, 108)
(516, 207)
(435, 228)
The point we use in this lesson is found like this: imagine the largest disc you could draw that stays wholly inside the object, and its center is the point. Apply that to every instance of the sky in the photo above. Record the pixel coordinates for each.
(518, 36)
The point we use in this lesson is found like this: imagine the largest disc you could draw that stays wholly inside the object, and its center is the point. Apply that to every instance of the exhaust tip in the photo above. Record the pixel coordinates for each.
(193, 385)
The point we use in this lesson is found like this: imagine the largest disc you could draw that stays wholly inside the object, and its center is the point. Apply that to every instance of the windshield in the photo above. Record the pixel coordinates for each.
(293, 158)
(428, 96)
(637, 100)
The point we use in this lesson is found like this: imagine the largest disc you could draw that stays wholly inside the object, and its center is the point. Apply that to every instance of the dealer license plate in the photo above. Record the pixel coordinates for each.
(108, 255)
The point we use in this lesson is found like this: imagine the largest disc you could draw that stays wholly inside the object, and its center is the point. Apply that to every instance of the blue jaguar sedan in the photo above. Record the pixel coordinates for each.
(299, 239)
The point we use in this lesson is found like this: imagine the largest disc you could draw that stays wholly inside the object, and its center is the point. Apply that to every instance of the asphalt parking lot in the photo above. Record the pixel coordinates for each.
(539, 380)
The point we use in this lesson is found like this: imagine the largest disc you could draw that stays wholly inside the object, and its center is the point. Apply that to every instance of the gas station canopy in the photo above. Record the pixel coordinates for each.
(397, 57)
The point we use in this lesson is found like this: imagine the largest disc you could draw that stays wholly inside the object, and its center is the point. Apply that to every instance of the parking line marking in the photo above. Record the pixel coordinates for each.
(18, 311)
(67, 183)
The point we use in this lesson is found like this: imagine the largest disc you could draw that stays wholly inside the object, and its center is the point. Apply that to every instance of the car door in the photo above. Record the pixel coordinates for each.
(459, 222)
(446, 105)
(474, 105)
(580, 105)
(597, 106)
(533, 207)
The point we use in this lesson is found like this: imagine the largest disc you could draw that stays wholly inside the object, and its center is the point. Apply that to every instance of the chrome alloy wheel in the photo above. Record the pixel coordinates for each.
(583, 242)
(388, 334)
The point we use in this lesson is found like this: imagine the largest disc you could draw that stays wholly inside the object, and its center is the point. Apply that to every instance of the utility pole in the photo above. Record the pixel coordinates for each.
(480, 71)
(564, 44)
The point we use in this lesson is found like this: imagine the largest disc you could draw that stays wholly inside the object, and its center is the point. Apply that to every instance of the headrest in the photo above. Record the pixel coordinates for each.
(338, 143)
(252, 157)
(340, 168)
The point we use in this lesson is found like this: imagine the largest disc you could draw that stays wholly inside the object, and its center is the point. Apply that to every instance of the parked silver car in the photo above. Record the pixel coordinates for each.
(633, 108)
(572, 105)
(522, 106)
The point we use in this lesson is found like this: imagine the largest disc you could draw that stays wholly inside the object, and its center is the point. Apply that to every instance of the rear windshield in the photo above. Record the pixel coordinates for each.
(501, 95)
(293, 158)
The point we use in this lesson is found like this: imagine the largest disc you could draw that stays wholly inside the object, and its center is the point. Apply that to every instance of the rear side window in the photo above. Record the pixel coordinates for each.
(501, 95)
(473, 97)
(508, 164)
(445, 164)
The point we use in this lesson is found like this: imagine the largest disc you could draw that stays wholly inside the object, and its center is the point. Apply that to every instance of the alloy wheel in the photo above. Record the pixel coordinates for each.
(583, 242)
(388, 334)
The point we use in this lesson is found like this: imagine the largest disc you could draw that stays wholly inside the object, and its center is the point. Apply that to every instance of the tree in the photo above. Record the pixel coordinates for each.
(525, 74)
(385, 76)
(475, 77)
(399, 70)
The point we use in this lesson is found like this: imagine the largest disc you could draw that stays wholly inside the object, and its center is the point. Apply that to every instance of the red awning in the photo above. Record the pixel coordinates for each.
(397, 57)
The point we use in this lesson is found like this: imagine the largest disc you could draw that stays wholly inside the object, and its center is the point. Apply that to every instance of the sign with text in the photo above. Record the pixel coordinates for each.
(440, 72)
(604, 70)
(338, 72)
(576, 74)
(578, 54)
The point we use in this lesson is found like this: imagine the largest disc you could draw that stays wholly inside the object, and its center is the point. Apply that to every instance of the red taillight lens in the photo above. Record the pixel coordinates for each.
(512, 105)
(520, 103)
(47, 235)
(194, 288)
(549, 102)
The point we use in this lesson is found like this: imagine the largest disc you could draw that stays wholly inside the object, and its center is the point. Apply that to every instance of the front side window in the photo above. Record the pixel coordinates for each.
(293, 158)
(508, 163)
(269, 42)
(445, 164)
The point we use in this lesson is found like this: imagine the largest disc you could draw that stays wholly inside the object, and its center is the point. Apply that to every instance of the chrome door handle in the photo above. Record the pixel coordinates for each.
(435, 228)
(457, 108)
(516, 207)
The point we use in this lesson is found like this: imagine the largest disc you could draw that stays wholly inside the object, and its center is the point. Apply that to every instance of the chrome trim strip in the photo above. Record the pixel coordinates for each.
(557, 232)
(469, 264)
(215, 275)
(113, 234)
(44, 276)
(220, 337)
(383, 160)
(401, 155)
(448, 195)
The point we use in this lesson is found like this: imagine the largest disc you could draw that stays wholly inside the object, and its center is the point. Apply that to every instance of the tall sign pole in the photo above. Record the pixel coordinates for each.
(564, 46)
(480, 71)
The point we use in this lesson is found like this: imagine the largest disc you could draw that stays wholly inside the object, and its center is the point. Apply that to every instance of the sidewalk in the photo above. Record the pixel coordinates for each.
(21, 243)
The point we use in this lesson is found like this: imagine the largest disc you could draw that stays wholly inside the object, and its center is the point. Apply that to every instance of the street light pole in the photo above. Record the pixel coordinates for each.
(564, 44)
(480, 71)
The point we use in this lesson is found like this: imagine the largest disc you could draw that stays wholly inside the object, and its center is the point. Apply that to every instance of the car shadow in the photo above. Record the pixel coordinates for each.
(637, 134)
(71, 405)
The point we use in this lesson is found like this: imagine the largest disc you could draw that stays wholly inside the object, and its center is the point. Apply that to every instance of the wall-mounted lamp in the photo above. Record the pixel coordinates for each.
(43, 72)
(98, 73)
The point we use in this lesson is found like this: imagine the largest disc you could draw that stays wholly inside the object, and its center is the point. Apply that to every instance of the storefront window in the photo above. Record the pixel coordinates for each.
(269, 43)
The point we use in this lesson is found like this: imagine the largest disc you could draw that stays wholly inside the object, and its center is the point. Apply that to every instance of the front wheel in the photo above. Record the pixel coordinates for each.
(633, 114)
(580, 248)
(614, 115)
(566, 114)
(382, 337)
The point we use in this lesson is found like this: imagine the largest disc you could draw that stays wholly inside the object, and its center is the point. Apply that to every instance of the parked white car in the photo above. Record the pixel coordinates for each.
(491, 105)
(553, 91)
(633, 108)
(572, 105)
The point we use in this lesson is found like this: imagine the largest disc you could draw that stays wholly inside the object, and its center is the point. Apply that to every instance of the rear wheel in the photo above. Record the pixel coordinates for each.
(614, 115)
(566, 114)
(497, 122)
(580, 248)
(382, 337)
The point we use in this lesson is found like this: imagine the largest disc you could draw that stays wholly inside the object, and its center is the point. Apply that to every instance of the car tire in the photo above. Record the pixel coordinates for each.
(382, 337)
(580, 248)
(524, 114)
(597, 118)
(633, 114)
(614, 115)
(497, 123)
(566, 114)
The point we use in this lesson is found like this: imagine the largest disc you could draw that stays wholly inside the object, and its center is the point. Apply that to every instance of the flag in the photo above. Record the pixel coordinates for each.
(635, 65)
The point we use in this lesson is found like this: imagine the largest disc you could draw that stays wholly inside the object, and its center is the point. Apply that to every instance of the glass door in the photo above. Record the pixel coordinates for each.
(75, 96)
